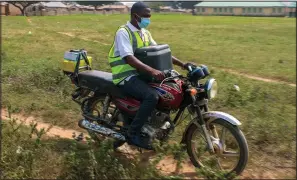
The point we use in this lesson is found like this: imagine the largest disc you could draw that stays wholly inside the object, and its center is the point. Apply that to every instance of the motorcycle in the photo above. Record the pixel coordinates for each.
(212, 138)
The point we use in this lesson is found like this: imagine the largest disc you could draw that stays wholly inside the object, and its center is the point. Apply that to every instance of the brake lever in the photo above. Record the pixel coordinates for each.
(190, 68)
(169, 79)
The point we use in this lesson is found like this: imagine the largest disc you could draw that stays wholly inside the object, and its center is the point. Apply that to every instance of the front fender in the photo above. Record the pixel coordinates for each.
(213, 115)
(209, 117)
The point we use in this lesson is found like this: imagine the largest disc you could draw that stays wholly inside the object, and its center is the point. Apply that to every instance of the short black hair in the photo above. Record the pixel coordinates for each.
(138, 7)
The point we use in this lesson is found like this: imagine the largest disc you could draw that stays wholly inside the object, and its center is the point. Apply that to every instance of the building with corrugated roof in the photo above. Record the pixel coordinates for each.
(115, 8)
(47, 6)
(247, 8)
(165, 8)
(50, 8)
(128, 4)
(9, 9)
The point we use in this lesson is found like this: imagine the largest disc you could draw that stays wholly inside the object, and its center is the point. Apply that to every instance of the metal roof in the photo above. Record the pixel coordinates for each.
(54, 4)
(112, 7)
(241, 4)
(292, 4)
(129, 4)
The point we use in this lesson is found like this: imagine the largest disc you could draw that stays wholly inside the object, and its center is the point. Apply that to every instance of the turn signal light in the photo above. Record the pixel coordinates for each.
(193, 92)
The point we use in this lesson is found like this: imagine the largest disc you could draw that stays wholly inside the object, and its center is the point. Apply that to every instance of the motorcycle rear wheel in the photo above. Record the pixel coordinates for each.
(94, 107)
(220, 147)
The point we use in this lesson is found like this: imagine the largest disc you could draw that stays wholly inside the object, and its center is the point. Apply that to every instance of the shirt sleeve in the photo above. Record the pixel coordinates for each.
(153, 42)
(122, 43)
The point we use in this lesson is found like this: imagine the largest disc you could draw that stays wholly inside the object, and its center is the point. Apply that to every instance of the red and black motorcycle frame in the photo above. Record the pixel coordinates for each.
(170, 93)
(189, 95)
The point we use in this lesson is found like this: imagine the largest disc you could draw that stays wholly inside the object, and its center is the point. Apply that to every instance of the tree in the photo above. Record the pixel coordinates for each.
(189, 4)
(155, 5)
(184, 4)
(94, 3)
(22, 5)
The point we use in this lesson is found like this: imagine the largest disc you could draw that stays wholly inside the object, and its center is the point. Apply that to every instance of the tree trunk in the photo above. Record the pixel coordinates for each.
(23, 12)
(7, 10)
(24, 9)
(22, 5)
(21, 8)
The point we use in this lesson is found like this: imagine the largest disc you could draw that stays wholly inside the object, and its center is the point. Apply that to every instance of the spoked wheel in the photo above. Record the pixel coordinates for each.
(231, 150)
(95, 108)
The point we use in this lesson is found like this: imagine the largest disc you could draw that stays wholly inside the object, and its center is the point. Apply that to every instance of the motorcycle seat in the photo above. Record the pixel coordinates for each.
(99, 81)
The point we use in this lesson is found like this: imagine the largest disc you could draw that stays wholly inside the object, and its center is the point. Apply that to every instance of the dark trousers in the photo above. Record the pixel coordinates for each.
(140, 90)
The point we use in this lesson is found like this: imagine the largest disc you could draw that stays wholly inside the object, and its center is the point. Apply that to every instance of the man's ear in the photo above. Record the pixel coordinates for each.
(136, 17)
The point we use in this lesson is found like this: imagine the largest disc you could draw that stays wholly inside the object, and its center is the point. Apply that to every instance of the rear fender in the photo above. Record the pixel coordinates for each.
(210, 117)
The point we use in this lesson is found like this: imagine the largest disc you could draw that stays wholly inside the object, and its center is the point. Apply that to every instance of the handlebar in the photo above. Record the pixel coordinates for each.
(172, 74)
(168, 76)
(167, 73)
(189, 68)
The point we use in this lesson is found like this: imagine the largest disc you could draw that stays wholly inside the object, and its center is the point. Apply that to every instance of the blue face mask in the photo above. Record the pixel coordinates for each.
(144, 22)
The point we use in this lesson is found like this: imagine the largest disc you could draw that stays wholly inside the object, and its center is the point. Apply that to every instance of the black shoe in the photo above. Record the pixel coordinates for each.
(139, 141)
(117, 144)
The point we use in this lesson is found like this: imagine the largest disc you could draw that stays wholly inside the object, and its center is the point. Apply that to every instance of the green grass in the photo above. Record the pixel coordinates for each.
(251, 45)
(33, 82)
(25, 155)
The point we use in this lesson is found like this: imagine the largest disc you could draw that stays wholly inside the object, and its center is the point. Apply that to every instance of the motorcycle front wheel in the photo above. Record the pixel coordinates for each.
(231, 149)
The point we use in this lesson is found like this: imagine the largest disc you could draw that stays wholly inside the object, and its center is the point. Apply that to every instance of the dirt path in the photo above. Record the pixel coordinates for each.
(167, 165)
(256, 77)
(224, 69)
(55, 131)
(85, 39)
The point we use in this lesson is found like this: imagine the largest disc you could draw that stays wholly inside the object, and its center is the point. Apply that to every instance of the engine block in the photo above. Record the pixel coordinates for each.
(157, 119)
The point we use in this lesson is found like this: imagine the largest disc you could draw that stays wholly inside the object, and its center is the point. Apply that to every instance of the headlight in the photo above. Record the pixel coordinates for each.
(211, 88)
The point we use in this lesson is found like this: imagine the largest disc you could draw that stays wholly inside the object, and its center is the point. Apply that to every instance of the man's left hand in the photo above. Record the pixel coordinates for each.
(185, 66)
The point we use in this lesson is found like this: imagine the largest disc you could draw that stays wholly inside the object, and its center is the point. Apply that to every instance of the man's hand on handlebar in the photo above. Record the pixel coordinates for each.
(158, 75)
(189, 65)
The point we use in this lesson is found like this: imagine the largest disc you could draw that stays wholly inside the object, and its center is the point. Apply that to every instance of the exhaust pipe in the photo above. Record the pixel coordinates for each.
(100, 129)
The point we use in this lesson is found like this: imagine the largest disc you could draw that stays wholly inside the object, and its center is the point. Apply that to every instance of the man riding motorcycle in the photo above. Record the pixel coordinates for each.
(124, 66)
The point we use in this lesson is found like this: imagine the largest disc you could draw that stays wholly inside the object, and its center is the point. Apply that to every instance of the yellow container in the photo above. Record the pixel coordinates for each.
(69, 65)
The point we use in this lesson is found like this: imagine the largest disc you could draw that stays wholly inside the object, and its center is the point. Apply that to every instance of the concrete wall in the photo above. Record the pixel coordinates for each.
(12, 10)
(239, 11)
(173, 12)
(2, 10)
(55, 12)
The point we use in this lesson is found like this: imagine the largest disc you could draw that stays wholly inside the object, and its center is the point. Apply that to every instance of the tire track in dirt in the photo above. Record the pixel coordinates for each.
(85, 39)
(167, 166)
(54, 131)
(255, 77)
(69, 34)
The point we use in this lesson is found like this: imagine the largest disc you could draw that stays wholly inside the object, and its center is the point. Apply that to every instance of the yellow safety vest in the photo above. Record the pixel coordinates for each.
(119, 67)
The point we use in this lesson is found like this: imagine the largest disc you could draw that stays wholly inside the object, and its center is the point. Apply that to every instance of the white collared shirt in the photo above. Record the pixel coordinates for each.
(122, 45)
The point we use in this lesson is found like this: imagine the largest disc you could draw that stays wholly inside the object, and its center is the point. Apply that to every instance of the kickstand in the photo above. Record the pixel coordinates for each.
(140, 150)
(78, 138)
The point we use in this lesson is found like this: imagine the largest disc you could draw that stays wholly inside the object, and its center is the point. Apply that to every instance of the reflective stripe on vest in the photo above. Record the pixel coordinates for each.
(119, 68)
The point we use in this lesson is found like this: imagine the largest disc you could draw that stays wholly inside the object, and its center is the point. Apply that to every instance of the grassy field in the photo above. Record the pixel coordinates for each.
(266, 47)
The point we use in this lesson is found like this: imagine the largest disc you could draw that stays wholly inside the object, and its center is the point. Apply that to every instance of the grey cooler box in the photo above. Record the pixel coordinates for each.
(157, 57)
